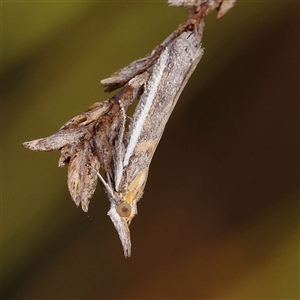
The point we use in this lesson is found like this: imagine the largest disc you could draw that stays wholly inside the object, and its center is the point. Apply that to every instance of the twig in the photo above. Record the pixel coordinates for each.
(100, 138)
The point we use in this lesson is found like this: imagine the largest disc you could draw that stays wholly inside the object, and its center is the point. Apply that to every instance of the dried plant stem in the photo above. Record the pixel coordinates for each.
(100, 139)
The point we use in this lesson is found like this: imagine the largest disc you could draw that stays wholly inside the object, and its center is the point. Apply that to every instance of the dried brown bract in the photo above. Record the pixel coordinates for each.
(87, 142)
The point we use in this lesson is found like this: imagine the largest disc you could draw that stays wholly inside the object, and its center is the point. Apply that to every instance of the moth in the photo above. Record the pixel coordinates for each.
(135, 148)
(105, 143)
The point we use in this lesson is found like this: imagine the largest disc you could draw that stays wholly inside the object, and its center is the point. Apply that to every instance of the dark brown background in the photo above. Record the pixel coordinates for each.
(220, 215)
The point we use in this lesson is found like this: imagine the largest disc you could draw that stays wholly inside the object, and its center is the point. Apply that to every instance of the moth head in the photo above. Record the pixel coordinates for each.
(123, 209)
(126, 210)
(121, 214)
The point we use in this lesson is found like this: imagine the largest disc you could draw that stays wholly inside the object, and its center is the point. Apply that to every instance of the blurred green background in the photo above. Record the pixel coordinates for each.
(220, 214)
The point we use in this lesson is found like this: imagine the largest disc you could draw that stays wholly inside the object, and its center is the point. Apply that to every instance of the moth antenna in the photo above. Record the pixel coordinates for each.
(119, 148)
(108, 189)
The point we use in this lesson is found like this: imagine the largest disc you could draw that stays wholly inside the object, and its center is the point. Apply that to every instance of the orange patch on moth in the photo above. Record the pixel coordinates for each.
(146, 146)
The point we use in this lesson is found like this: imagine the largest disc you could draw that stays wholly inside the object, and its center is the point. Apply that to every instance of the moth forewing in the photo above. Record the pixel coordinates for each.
(169, 76)
(136, 84)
